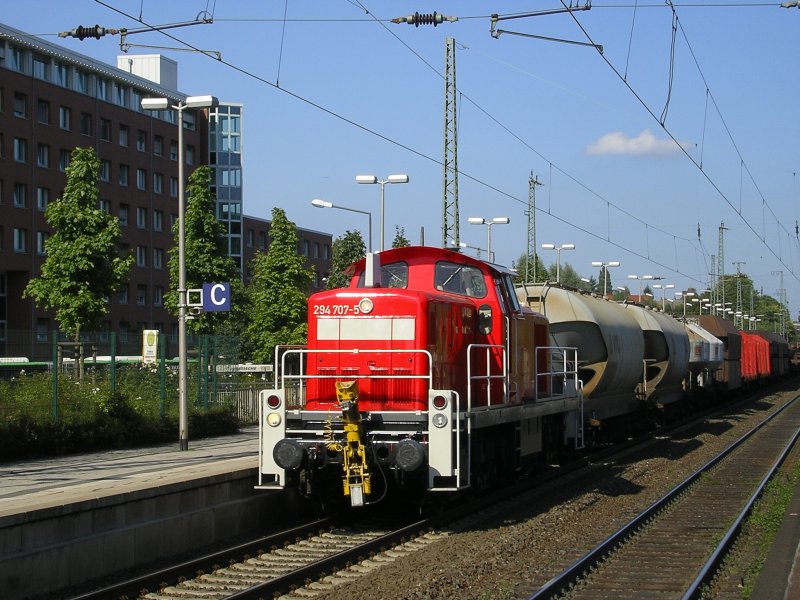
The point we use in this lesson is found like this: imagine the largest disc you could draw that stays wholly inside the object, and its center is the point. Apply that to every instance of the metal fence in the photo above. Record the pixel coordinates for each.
(109, 365)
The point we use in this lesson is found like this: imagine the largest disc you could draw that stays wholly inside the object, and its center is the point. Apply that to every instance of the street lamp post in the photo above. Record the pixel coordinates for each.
(371, 179)
(604, 266)
(494, 221)
(325, 204)
(558, 250)
(663, 289)
(163, 104)
(640, 278)
(685, 294)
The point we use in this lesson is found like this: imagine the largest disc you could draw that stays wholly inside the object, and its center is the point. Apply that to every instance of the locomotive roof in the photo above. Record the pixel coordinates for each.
(429, 254)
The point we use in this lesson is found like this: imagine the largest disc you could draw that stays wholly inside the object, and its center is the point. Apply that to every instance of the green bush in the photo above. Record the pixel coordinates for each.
(90, 417)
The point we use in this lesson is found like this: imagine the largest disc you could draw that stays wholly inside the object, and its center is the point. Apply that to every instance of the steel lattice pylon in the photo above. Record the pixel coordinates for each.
(450, 234)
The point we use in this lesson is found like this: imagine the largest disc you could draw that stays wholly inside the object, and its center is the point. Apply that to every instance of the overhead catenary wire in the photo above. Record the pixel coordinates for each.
(420, 154)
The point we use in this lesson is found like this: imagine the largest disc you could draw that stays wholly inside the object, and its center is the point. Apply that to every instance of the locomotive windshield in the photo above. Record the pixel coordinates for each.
(393, 275)
(459, 279)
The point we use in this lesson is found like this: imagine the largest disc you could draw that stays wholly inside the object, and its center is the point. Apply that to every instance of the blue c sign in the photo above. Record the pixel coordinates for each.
(216, 297)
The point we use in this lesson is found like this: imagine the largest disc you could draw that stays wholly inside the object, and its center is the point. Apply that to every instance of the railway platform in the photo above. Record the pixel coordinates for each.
(68, 520)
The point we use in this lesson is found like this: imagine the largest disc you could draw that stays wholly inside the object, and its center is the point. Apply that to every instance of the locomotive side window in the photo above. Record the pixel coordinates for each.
(508, 282)
(393, 275)
(485, 319)
(459, 279)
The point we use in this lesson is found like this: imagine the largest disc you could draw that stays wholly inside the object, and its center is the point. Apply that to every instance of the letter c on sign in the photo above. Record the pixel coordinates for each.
(215, 290)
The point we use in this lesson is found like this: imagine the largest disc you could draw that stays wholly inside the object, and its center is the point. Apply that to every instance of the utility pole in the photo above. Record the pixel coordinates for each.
(714, 290)
(721, 261)
(450, 187)
(782, 300)
(738, 264)
(530, 270)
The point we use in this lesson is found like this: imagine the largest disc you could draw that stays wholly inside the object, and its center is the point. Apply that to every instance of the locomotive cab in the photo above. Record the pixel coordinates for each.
(422, 368)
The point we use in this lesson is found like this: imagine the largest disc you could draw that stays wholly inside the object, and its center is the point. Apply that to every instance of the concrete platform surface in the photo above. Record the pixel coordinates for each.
(33, 485)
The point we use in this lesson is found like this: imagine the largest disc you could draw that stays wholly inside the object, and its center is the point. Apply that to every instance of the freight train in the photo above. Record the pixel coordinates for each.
(433, 373)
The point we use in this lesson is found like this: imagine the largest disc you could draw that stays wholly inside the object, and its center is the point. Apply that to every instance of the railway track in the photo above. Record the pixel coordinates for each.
(311, 560)
(673, 548)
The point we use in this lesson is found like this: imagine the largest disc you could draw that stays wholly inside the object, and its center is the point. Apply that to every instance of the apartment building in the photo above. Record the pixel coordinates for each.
(53, 100)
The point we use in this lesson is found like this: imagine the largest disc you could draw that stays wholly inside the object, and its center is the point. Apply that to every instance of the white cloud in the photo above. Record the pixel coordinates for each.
(645, 144)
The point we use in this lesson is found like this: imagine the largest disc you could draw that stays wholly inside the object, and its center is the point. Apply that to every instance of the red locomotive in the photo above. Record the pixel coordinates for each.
(424, 375)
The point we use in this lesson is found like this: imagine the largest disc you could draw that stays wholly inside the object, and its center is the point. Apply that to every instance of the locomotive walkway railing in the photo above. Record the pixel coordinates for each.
(296, 383)
(563, 372)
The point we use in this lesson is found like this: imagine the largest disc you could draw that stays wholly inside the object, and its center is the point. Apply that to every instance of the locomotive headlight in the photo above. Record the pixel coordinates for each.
(439, 420)
(273, 419)
(365, 306)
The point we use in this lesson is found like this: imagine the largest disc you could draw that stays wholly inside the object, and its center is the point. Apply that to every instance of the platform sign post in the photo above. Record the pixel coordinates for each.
(149, 346)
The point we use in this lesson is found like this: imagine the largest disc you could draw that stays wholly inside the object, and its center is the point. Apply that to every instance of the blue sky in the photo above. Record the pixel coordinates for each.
(636, 147)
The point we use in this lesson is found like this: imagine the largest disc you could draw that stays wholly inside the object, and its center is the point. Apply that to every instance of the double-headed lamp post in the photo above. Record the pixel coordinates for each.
(163, 104)
(371, 179)
(604, 266)
(663, 289)
(640, 278)
(558, 250)
(325, 204)
(494, 221)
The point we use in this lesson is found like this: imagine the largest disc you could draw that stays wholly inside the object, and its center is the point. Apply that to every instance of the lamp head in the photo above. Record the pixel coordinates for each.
(200, 101)
(403, 178)
(477, 221)
(155, 103)
(321, 203)
(366, 179)
(549, 246)
(501, 220)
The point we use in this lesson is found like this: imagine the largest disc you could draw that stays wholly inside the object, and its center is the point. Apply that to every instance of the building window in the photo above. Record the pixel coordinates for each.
(141, 217)
(43, 156)
(173, 150)
(173, 187)
(120, 95)
(158, 296)
(316, 249)
(20, 105)
(18, 59)
(64, 157)
(158, 183)
(20, 240)
(41, 238)
(81, 81)
(141, 140)
(42, 327)
(250, 238)
(141, 256)
(41, 67)
(158, 145)
(86, 124)
(123, 294)
(141, 179)
(105, 170)
(43, 111)
(105, 130)
(123, 174)
(20, 195)
(42, 198)
(64, 118)
(104, 205)
(123, 214)
(141, 294)
(102, 89)
(158, 220)
(158, 258)
(189, 155)
(326, 252)
(305, 247)
(20, 150)
(61, 72)
(262, 239)
(123, 135)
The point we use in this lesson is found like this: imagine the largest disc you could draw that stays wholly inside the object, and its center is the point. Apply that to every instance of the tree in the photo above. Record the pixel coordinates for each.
(277, 292)
(522, 264)
(83, 265)
(346, 250)
(604, 280)
(568, 275)
(400, 239)
(206, 254)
